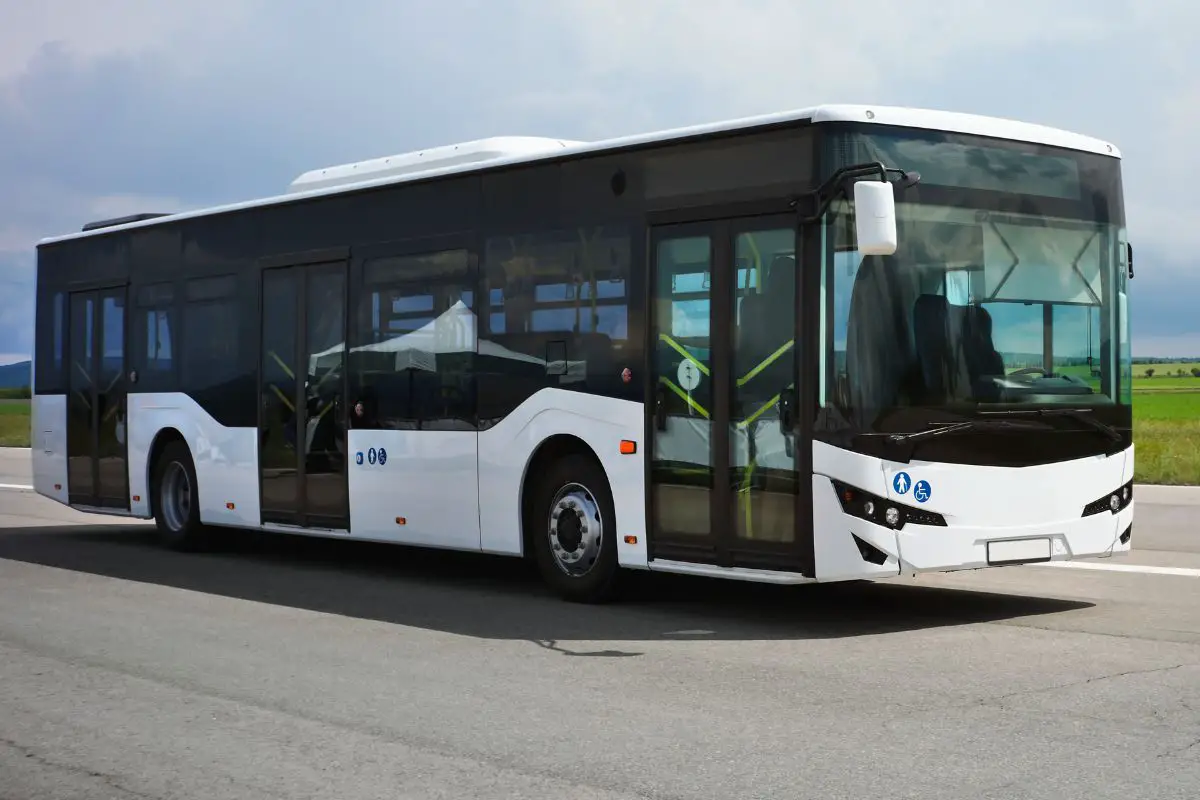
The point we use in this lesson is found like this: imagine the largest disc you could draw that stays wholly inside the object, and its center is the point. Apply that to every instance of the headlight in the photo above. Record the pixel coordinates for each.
(1114, 502)
(881, 511)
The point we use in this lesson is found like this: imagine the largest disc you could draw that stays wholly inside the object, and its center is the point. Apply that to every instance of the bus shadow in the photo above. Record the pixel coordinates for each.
(493, 597)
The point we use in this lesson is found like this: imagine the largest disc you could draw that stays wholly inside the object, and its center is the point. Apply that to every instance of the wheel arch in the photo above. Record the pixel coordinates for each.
(547, 452)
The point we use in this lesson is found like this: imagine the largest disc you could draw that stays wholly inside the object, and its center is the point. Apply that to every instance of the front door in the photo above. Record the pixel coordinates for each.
(302, 385)
(97, 462)
(724, 462)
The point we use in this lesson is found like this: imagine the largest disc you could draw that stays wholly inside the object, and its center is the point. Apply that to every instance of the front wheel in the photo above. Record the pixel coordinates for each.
(573, 522)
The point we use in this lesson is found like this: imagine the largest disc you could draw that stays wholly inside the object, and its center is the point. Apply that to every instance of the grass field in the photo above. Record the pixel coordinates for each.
(14, 423)
(1166, 430)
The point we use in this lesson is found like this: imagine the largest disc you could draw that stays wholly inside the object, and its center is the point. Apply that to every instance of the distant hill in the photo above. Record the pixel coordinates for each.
(15, 376)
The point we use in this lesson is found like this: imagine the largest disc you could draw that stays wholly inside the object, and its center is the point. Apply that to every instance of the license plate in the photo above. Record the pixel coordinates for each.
(1018, 551)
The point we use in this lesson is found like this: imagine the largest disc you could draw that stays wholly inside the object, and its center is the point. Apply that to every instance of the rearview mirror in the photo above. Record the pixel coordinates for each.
(875, 218)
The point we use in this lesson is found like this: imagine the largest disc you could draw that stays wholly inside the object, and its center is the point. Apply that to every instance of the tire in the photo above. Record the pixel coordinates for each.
(176, 500)
(573, 528)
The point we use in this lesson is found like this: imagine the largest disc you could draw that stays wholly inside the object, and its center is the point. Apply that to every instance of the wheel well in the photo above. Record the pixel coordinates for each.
(163, 438)
(548, 452)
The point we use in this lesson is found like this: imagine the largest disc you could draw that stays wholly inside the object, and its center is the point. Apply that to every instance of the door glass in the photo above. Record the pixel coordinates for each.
(325, 435)
(279, 424)
(682, 467)
(762, 454)
(110, 399)
(81, 403)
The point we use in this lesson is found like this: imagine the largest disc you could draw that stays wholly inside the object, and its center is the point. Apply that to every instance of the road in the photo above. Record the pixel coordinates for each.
(300, 668)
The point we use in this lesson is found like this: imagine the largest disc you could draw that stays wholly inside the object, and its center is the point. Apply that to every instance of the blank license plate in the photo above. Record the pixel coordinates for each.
(1019, 551)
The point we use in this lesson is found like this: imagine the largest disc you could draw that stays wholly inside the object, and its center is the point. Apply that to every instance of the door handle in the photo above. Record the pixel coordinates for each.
(787, 411)
(660, 408)
(787, 421)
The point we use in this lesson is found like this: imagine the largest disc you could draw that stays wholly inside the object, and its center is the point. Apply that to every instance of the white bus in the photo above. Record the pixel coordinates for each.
(841, 343)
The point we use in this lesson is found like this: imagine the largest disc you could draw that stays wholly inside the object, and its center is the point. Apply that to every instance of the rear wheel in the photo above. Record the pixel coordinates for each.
(573, 526)
(176, 501)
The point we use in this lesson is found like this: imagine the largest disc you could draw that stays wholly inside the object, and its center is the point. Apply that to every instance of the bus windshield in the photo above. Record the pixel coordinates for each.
(1007, 290)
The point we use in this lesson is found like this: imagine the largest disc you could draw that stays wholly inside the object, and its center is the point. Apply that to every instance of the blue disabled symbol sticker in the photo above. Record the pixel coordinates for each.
(901, 482)
(382, 456)
(372, 455)
(922, 491)
(358, 458)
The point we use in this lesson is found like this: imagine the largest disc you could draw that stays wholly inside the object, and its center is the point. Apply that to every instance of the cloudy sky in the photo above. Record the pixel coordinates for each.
(133, 105)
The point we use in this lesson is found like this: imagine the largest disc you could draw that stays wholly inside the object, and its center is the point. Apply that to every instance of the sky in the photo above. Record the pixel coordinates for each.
(126, 106)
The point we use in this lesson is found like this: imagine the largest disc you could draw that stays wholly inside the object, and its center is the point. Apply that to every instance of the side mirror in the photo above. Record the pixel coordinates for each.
(875, 218)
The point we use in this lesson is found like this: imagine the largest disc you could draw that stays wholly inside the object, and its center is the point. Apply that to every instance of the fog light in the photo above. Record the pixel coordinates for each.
(1114, 503)
(869, 508)
(892, 515)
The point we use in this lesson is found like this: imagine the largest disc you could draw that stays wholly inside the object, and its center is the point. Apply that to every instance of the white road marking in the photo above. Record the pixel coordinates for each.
(16, 487)
(1184, 572)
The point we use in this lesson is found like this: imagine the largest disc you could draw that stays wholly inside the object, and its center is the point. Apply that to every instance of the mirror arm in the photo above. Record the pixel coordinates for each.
(814, 204)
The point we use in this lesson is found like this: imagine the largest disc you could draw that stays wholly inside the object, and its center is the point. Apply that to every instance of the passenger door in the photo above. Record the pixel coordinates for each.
(97, 407)
(724, 433)
(302, 415)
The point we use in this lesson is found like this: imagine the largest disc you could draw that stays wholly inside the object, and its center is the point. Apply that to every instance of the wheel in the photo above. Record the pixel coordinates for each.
(176, 501)
(573, 522)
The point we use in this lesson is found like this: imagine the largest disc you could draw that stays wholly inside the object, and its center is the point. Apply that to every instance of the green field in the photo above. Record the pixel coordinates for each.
(1166, 430)
(14, 423)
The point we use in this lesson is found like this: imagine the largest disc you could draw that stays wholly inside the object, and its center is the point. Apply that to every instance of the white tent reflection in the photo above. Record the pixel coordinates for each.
(453, 331)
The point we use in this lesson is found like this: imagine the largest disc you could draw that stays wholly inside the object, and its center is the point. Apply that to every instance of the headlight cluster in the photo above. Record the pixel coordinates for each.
(1114, 502)
(881, 511)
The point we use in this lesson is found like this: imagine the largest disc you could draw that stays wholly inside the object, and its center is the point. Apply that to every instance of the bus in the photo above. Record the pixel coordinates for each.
(842, 343)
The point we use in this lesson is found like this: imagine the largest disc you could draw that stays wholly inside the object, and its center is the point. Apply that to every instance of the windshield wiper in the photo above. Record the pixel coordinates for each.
(1084, 415)
(964, 427)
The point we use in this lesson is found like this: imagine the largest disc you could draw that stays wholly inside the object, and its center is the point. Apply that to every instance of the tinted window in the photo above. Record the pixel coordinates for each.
(414, 359)
(154, 329)
(210, 337)
(769, 164)
(50, 325)
(557, 315)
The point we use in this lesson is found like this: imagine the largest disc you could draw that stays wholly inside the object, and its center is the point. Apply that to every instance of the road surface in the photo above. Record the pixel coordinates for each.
(300, 668)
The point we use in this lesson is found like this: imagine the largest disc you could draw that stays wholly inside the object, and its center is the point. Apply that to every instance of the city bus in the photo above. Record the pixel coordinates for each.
(841, 343)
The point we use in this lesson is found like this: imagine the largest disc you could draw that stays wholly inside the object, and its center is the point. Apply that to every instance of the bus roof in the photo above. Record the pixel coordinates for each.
(507, 151)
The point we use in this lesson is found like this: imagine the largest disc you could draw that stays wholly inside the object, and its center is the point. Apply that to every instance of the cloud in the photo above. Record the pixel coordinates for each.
(134, 106)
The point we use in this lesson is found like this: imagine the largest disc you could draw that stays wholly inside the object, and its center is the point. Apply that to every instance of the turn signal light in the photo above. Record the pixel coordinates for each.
(628, 447)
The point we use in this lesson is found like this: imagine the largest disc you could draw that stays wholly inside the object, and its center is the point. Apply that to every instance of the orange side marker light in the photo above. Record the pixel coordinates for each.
(628, 447)
(630, 540)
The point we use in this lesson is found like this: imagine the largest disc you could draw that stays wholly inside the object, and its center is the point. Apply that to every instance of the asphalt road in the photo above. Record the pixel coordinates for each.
(300, 668)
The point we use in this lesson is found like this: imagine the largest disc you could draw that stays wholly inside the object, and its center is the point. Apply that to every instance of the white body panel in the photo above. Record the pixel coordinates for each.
(430, 479)
(48, 431)
(506, 449)
(462, 489)
(226, 459)
(981, 504)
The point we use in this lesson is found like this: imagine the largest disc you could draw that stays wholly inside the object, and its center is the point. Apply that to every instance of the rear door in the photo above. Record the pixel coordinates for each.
(97, 406)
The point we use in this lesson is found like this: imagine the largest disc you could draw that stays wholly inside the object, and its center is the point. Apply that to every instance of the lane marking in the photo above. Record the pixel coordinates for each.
(1183, 572)
(18, 487)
